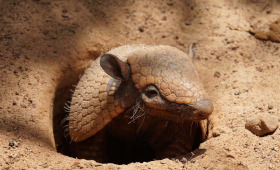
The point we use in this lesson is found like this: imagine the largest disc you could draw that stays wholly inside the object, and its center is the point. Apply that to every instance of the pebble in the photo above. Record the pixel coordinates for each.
(270, 107)
(262, 124)
(45, 32)
(217, 74)
(184, 160)
(11, 143)
(245, 89)
(140, 28)
(236, 93)
(165, 161)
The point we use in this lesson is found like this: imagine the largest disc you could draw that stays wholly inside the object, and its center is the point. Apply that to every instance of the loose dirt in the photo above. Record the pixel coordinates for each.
(46, 45)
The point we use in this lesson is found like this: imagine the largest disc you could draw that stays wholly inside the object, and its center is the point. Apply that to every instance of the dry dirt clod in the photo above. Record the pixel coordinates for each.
(11, 143)
(270, 107)
(216, 134)
(262, 124)
(140, 28)
(165, 161)
(236, 93)
(245, 89)
(217, 131)
(259, 34)
(184, 160)
(274, 33)
(217, 74)
(45, 32)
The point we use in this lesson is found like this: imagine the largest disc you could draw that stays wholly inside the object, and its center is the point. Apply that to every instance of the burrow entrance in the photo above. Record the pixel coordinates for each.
(121, 141)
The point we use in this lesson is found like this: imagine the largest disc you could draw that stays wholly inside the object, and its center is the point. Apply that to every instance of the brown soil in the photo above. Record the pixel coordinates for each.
(45, 46)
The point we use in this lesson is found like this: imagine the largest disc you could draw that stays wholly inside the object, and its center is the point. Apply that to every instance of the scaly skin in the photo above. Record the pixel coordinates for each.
(168, 139)
(98, 98)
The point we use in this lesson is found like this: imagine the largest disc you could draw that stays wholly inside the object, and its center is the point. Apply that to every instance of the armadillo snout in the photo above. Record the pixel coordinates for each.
(203, 109)
(195, 111)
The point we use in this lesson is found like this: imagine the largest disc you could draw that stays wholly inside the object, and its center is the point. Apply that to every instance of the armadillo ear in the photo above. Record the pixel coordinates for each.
(191, 52)
(116, 68)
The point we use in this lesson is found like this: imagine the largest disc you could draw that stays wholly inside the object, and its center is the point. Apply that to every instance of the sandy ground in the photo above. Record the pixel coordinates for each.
(45, 46)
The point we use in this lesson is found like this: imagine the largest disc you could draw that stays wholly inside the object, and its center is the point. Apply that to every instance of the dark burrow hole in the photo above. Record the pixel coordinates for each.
(118, 150)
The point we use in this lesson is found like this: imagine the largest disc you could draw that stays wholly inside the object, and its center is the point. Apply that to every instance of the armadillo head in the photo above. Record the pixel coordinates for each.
(164, 78)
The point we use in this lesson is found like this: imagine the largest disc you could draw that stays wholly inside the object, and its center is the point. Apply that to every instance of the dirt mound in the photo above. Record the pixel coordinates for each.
(46, 45)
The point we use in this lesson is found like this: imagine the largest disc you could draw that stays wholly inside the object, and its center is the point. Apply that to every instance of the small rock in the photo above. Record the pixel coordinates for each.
(217, 74)
(170, 2)
(216, 134)
(236, 93)
(230, 156)
(45, 32)
(163, 18)
(16, 143)
(259, 34)
(245, 89)
(26, 57)
(234, 47)
(76, 163)
(274, 31)
(270, 106)
(184, 160)
(217, 131)
(64, 10)
(188, 23)
(140, 28)
(259, 69)
(164, 161)
(11, 143)
(65, 16)
(274, 149)
(262, 124)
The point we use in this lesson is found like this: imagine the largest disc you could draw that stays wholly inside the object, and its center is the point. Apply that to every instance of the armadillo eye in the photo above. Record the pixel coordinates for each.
(151, 91)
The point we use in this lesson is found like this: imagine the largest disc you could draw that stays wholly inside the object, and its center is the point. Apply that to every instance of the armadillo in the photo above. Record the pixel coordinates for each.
(160, 80)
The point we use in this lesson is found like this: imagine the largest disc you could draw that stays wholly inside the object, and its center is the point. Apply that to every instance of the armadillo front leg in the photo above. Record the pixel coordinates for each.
(183, 141)
(92, 148)
(176, 148)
